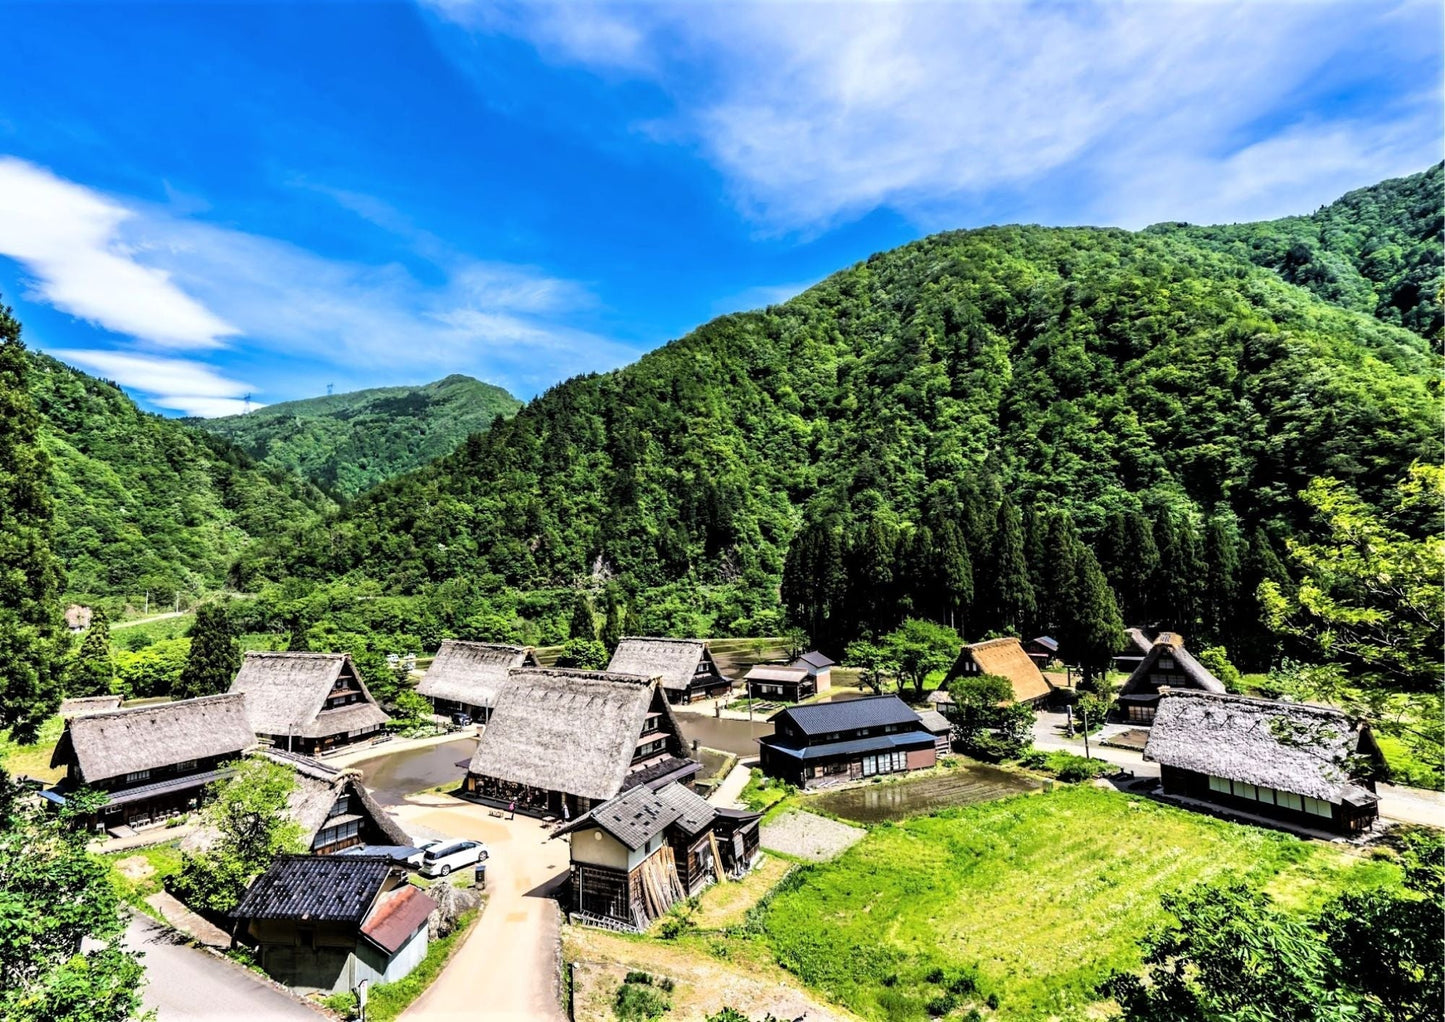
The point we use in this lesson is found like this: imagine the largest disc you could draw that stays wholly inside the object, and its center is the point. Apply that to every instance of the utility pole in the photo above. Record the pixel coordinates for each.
(148, 604)
(1084, 711)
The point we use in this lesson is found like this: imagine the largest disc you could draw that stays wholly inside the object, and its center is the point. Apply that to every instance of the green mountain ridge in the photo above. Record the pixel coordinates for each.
(346, 443)
(145, 502)
(1092, 371)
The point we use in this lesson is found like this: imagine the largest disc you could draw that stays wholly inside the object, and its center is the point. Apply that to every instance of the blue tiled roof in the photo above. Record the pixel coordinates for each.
(858, 746)
(849, 714)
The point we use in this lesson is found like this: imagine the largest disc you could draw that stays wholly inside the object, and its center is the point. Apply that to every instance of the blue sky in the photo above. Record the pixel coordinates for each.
(206, 201)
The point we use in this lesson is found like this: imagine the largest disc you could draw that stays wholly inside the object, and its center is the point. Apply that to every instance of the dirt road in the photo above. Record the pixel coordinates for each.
(508, 969)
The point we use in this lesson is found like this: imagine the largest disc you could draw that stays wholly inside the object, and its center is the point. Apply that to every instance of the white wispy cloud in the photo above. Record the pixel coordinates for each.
(818, 112)
(179, 384)
(169, 281)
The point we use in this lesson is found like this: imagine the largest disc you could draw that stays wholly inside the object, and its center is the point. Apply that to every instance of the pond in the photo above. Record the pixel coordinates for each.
(392, 778)
(877, 803)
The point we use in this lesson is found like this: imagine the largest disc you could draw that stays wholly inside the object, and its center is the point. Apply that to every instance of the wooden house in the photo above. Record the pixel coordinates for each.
(938, 726)
(823, 743)
(1005, 658)
(561, 741)
(307, 702)
(685, 666)
(819, 666)
(77, 617)
(327, 922)
(1297, 763)
(465, 677)
(152, 762)
(1042, 650)
(692, 837)
(738, 839)
(1168, 665)
(331, 806)
(786, 684)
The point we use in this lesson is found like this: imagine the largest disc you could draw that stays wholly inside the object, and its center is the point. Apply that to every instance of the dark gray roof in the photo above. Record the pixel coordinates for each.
(935, 722)
(847, 714)
(635, 817)
(1295, 747)
(853, 746)
(813, 659)
(316, 887)
(696, 811)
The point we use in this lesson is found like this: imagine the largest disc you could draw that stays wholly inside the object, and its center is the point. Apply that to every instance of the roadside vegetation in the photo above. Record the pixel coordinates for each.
(386, 1001)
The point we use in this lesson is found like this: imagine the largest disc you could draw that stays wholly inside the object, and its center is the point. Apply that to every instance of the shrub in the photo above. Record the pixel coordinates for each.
(934, 975)
(992, 1001)
(941, 1005)
(639, 1002)
(636, 976)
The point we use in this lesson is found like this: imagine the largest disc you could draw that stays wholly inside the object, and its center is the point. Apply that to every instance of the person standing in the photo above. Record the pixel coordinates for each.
(512, 810)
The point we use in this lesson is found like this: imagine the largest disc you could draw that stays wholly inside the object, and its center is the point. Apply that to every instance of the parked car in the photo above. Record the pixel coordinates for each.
(443, 857)
(461, 719)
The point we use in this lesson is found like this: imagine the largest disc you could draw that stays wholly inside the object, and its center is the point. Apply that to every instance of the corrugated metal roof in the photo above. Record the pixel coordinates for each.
(398, 915)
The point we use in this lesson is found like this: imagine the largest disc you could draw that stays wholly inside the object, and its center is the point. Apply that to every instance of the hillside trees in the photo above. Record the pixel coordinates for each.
(92, 669)
(214, 656)
(30, 580)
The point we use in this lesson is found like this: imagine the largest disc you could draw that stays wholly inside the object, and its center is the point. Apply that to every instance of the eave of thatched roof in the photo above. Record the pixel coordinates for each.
(120, 742)
(84, 706)
(673, 660)
(1197, 674)
(570, 731)
(472, 672)
(286, 691)
(1007, 659)
(1295, 747)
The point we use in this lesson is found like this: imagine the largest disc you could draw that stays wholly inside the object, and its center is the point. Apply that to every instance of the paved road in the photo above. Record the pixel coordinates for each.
(187, 985)
(508, 967)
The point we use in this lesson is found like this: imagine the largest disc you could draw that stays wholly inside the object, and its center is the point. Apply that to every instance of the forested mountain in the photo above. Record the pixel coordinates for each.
(1376, 249)
(1168, 394)
(346, 443)
(148, 503)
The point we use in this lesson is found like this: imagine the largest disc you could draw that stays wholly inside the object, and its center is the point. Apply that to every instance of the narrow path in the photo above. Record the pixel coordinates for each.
(147, 620)
(727, 793)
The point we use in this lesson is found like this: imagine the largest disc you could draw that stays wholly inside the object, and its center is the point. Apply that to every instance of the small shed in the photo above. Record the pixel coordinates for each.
(1042, 650)
(686, 666)
(327, 922)
(624, 870)
(1005, 658)
(787, 684)
(938, 726)
(819, 666)
(465, 677)
(1298, 763)
(307, 702)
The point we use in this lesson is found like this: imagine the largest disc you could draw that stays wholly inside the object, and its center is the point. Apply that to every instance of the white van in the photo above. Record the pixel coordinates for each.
(445, 856)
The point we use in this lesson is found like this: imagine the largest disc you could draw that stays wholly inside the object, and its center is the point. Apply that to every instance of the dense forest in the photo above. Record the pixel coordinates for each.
(347, 443)
(925, 426)
(149, 503)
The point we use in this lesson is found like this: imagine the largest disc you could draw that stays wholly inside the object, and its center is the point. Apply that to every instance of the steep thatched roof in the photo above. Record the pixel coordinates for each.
(570, 731)
(472, 672)
(675, 661)
(318, 786)
(84, 706)
(1007, 659)
(285, 693)
(1138, 641)
(114, 744)
(1195, 673)
(1295, 747)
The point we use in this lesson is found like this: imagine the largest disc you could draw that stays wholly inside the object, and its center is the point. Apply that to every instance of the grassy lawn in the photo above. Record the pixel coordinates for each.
(140, 872)
(727, 903)
(1032, 901)
(1405, 766)
(33, 760)
(762, 792)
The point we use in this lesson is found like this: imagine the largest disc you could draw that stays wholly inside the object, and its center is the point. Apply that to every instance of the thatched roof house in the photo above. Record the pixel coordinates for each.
(1007, 659)
(84, 706)
(1308, 764)
(152, 760)
(561, 740)
(332, 807)
(685, 666)
(465, 677)
(307, 702)
(1168, 665)
(77, 617)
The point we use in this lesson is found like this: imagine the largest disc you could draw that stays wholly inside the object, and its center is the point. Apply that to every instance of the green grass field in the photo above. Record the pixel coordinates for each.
(1031, 901)
(33, 760)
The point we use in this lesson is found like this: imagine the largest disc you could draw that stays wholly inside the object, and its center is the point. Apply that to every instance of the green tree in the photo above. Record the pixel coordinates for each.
(952, 575)
(53, 897)
(584, 619)
(918, 648)
(583, 654)
(1216, 661)
(1221, 581)
(31, 639)
(215, 655)
(1013, 593)
(250, 813)
(987, 722)
(410, 708)
(874, 661)
(1061, 574)
(92, 671)
(1092, 630)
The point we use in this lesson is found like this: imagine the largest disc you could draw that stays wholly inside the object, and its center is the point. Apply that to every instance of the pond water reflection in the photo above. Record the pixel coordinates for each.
(876, 803)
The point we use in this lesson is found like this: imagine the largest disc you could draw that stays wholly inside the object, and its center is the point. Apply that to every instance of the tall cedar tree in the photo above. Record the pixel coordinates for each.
(584, 619)
(1221, 581)
(1137, 597)
(1256, 641)
(1092, 630)
(1036, 540)
(31, 639)
(872, 568)
(1061, 573)
(1014, 600)
(953, 575)
(1181, 574)
(215, 654)
(93, 669)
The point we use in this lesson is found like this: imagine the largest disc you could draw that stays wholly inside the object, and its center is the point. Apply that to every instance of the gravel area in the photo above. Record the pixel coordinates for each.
(808, 836)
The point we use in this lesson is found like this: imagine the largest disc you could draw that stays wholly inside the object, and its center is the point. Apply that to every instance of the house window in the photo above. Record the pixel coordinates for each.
(341, 832)
(135, 776)
(1289, 800)
(1220, 784)
(186, 764)
(341, 806)
(1317, 807)
(1266, 794)
(1166, 663)
(1242, 790)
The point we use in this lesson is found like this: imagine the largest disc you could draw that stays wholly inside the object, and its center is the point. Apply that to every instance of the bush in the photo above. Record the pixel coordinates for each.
(639, 1002)
(941, 1005)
